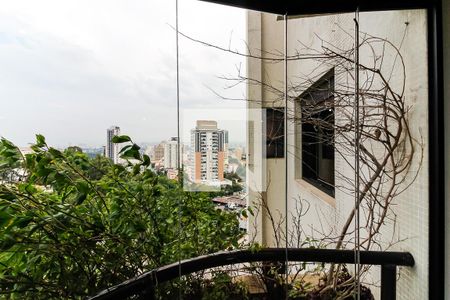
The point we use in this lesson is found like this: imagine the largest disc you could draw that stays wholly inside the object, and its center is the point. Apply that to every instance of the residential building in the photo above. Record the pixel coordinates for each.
(171, 153)
(112, 149)
(317, 170)
(225, 147)
(158, 154)
(208, 144)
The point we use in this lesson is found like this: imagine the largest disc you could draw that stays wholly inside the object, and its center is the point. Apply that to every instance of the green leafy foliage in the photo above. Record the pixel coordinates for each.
(71, 225)
(219, 287)
(118, 139)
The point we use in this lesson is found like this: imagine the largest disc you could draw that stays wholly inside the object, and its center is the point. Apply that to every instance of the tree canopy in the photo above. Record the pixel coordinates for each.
(73, 225)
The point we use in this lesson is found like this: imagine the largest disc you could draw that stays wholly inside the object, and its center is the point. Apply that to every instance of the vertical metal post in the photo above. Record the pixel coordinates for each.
(437, 155)
(286, 153)
(388, 282)
(357, 149)
(180, 176)
(178, 91)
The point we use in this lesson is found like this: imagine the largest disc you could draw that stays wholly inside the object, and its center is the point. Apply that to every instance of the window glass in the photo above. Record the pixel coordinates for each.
(275, 132)
(317, 134)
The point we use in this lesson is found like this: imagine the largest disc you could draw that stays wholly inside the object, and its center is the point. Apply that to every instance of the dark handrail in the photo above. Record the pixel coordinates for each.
(148, 280)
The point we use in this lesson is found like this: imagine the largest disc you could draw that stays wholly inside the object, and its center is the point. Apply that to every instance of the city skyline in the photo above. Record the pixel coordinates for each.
(184, 141)
(71, 69)
(114, 130)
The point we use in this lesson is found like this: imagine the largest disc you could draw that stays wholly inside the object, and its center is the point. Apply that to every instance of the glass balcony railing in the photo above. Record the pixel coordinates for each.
(190, 150)
(265, 265)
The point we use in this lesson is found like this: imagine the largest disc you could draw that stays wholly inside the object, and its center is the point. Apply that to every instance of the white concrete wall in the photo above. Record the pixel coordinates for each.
(328, 214)
(265, 177)
(412, 206)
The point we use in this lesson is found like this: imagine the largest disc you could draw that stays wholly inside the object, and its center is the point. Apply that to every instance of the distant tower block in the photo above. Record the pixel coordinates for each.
(171, 154)
(112, 150)
(209, 145)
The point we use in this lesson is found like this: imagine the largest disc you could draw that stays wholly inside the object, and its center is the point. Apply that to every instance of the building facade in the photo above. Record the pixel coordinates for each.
(171, 153)
(314, 177)
(158, 153)
(112, 150)
(208, 144)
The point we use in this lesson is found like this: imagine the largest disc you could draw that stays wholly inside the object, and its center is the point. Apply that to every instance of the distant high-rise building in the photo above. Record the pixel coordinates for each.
(225, 147)
(209, 151)
(171, 154)
(112, 150)
(158, 153)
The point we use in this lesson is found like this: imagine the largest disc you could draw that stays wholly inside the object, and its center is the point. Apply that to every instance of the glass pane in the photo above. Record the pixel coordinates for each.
(246, 163)
(396, 129)
(321, 139)
(213, 129)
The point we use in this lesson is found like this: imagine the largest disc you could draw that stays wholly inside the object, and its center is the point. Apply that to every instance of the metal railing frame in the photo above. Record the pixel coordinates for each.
(145, 283)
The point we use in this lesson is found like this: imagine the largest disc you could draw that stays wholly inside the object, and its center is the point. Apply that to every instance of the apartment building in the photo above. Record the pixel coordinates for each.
(171, 153)
(112, 150)
(312, 183)
(209, 145)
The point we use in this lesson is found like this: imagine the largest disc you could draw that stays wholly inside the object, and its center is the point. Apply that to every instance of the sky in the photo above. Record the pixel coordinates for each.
(72, 68)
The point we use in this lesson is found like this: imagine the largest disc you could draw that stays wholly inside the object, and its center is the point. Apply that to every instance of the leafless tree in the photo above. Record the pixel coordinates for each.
(389, 155)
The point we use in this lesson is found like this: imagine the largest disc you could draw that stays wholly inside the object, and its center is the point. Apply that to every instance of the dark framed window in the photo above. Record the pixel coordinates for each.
(317, 134)
(275, 132)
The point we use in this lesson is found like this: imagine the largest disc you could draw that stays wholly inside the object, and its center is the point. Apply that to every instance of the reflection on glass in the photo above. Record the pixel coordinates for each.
(99, 198)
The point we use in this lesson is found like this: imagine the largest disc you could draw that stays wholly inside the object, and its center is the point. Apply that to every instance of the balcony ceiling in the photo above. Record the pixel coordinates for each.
(309, 7)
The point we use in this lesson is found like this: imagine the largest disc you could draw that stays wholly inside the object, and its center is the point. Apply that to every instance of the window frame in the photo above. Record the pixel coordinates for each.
(322, 158)
(274, 146)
